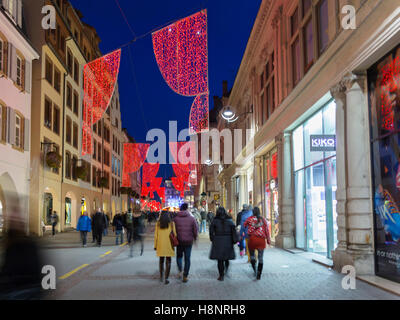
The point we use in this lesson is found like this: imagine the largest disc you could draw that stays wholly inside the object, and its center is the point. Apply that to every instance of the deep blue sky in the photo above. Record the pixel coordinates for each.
(229, 25)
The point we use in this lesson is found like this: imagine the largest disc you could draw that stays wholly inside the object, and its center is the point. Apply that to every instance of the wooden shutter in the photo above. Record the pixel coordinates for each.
(27, 76)
(5, 4)
(19, 13)
(27, 131)
(9, 59)
(11, 126)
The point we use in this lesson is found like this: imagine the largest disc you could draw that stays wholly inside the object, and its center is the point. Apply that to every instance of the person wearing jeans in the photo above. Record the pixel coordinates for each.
(187, 231)
(118, 228)
(84, 226)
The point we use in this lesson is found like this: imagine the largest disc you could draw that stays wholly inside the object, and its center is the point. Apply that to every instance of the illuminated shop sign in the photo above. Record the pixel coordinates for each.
(322, 143)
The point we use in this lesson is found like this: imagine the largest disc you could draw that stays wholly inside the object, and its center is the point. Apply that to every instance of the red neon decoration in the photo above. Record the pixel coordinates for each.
(134, 156)
(99, 79)
(182, 54)
(389, 83)
(274, 166)
(199, 120)
(150, 171)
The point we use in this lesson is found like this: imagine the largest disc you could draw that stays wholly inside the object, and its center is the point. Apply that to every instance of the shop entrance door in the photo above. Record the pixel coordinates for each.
(47, 208)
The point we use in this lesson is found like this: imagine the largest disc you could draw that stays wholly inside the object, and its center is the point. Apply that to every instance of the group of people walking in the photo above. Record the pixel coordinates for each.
(130, 223)
(180, 230)
(253, 235)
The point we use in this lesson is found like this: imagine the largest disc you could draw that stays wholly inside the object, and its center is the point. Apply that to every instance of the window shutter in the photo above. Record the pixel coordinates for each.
(4, 133)
(13, 64)
(19, 13)
(27, 131)
(27, 76)
(5, 4)
(9, 59)
(15, 9)
(11, 126)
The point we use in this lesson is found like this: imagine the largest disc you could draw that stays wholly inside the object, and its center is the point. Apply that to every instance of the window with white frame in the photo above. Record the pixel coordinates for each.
(19, 71)
(18, 131)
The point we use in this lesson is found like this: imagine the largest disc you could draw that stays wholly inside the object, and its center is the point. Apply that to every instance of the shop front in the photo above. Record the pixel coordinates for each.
(271, 202)
(384, 101)
(314, 163)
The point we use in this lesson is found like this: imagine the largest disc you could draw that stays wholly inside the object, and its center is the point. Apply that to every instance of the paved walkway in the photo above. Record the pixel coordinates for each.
(109, 273)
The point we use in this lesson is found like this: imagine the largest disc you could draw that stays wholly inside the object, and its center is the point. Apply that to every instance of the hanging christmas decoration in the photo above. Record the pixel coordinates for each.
(199, 115)
(99, 79)
(185, 153)
(134, 156)
(150, 183)
(182, 54)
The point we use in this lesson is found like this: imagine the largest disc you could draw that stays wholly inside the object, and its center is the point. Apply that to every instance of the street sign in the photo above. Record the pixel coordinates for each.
(322, 143)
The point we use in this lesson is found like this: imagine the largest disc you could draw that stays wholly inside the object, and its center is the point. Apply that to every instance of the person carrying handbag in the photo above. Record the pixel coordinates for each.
(223, 236)
(258, 232)
(163, 245)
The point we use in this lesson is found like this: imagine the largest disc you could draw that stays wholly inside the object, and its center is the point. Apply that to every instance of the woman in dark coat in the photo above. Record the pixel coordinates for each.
(223, 236)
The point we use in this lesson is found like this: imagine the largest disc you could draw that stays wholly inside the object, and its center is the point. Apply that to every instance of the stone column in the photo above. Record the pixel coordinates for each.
(285, 238)
(358, 219)
(338, 92)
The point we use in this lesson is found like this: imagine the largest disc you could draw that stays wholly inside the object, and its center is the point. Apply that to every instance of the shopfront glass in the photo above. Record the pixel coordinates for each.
(315, 185)
(68, 211)
(271, 192)
(384, 100)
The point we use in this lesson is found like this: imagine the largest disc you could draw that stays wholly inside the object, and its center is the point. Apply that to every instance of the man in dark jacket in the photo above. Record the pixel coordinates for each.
(118, 225)
(187, 231)
(210, 218)
(99, 223)
(203, 221)
(238, 221)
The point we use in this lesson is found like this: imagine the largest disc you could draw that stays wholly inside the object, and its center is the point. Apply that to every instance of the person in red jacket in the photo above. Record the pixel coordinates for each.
(187, 231)
(258, 232)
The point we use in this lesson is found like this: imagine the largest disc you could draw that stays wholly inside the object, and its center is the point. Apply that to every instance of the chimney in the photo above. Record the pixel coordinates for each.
(224, 88)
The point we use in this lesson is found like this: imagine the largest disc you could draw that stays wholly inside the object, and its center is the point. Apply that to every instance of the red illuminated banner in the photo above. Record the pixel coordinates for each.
(135, 155)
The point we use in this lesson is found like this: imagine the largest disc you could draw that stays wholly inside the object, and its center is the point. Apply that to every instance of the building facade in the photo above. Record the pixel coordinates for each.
(80, 183)
(16, 56)
(314, 94)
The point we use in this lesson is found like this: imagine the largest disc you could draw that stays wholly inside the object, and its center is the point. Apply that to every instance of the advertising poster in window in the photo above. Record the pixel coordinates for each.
(384, 99)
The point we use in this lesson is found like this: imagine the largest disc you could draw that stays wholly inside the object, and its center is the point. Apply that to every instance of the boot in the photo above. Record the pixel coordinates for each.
(259, 271)
(167, 270)
(161, 270)
(253, 265)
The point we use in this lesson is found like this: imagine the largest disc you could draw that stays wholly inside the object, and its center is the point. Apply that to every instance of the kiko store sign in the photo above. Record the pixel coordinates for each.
(325, 143)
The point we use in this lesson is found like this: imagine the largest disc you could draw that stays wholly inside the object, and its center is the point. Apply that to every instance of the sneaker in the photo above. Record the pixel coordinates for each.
(221, 278)
(166, 282)
(85, 245)
(179, 275)
(185, 279)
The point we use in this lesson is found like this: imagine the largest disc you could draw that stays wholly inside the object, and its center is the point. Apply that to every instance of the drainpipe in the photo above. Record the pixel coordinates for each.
(63, 149)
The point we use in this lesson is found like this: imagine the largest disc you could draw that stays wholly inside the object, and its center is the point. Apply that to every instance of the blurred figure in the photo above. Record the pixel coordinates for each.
(203, 220)
(258, 233)
(20, 273)
(187, 231)
(162, 244)
(128, 224)
(223, 236)
(84, 226)
(238, 225)
(243, 230)
(107, 222)
(138, 229)
(54, 221)
(210, 218)
(118, 226)
(99, 223)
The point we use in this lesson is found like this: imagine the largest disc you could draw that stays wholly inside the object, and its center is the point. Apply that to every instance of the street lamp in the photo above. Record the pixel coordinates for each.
(228, 114)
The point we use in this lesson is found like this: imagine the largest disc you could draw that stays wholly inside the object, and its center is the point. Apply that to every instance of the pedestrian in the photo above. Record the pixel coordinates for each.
(187, 232)
(203, 220)
(118, 228)
(163, 245)
(43, 226)
(138, 229)
(223, 237)
(243, 230)
(242, 243)
(99, 223)
(107, 222)
(54, 221)
(210, 218)
(93, 233)
(258, 233)
(128, 223)
(84, 226)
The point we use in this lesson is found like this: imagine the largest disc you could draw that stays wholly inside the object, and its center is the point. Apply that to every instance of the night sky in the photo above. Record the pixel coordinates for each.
(148, 102)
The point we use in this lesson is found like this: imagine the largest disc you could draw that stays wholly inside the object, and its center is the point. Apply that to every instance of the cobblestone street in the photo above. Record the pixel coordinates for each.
(111, 274)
